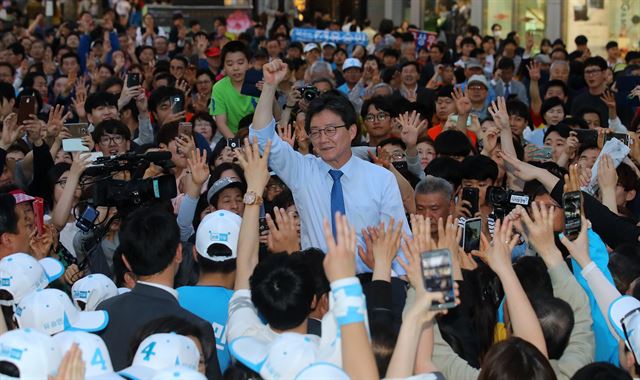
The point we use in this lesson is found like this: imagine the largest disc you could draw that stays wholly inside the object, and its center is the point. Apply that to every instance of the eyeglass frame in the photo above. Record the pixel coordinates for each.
(592, 71)
(315, 134)
(372, 117)
(113, 138)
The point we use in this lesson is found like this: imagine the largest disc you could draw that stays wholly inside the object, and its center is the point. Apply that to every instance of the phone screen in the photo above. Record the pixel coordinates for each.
(437, 273)
(471, 195)
(185, 128)
(471, 234)
(572, 204)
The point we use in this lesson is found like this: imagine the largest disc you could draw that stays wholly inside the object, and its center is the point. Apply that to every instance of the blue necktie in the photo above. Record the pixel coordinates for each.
(506, 91)
(337, 198)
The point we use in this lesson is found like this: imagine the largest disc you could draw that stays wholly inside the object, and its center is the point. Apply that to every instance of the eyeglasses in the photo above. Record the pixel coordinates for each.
(592, 72)
(328, 131)
(203, 82)
(382, 116)
(477, 87)
(107, 140)
(399, 156)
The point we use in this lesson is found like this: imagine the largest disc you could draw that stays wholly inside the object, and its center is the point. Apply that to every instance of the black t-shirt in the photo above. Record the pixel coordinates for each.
(586, 100)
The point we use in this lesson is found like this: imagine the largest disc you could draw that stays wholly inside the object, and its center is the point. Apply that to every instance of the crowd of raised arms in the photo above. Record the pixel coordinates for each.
(181, 202)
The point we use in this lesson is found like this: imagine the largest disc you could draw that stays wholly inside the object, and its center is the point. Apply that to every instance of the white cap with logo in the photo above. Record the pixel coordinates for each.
(351, 63)
(624, 315)
(34, 353)
(94, 353)
(219, 227)
(51, 311)
(89, 291)
(21, 274)
(162, 351)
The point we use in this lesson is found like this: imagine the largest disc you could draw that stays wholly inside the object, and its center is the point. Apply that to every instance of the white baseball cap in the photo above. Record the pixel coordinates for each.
(479, 79)
(162, 351)
(310, 46)
(21, 274)
(51, 311)
(287, 357)
(178, 373)
(219, 227)
(626, 310)
(351, 63)
(94, 353)
(33, 352)
(89, 291)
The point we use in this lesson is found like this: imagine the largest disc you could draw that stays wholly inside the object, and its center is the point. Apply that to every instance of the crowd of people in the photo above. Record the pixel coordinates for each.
(180, 202)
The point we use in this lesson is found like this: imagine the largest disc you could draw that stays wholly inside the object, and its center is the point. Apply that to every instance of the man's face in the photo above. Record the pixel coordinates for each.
(467, 48)
(102, 113)
(594, 76)
(177, 68)
(26, 226)
(507, 75)
(178, 157)
(334, 149)
(163, 112)
(111, 144)
(409, 75)
(5, 75)
(435, 54)
(69, 65)
(477, 92)
(352, 75)
(555, 91)
(294, 52)
(59, 85)
(312, 56)
(327, 53)
(444, 107)
(613, 53)
(273, 48)
(6, 106)
(378, 122)
(161, 45)
(236, 65)
(588, 158)
(558, 214)
(482, 186)
(433, 206)
(395, 152)
(517, 124)
(40, 85)
(389, 61)
(37, 51)
(146, 56)
(230, 199)
(339, 58)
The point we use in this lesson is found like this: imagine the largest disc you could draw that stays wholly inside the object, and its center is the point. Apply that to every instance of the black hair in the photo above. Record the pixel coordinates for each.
(393, 141)
(216, 173)
(282, 289)
(611, 45)
(17, 49)
(624, 264)
(335, 102)
(53, 175)
(410, 63)
(211, 266)
(562, 129)
(100, 99)
(585, 110)
(314, 258)
(468, 41)
(506, 63)
(182, 59)
(533, 276)
(601, 371)
(235, 47)
(7, 91)
(161, 95)
(391, 52)
(283, 200)
(382, 103)
(383, 342)
(549, 103)
(8, 216)
(112, 126)
(29, 79)
(447, 168)
(515, 358)
(557, 83)
(149, 239)
(444, 92)
(596, 61)
(110, 82)
(452, 143)
(167, 133)
(518, 108)
(556, 320)
(70, 55)
(479, 167)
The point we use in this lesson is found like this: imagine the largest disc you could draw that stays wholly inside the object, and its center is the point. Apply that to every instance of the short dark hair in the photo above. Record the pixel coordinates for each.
(556, 320)
(557, 83)
(601, 370)
(518, 108)
(282, 289)
(446, 168)
(161, 95)
(100, 99)
(506, 63)
(211, 266)
(70, 55)
(393, 141)
(335, 102)
(515, 358)
(168, 132)
(112, 126)
(452, 143)
(479, 167)
(109, 82)
(611, 45)
(182, 59)
(581, 40)
(410, 63)
(29, 79)
(314, 259)
(391, 52)
(549, 103)
(562, 129)
(468, 41)
(624, 264)
(235, 47)
(383, 103)
(8, 65)
(7, 91)
(8, 215)
(149, 238)
(595, 61)
(17, 49)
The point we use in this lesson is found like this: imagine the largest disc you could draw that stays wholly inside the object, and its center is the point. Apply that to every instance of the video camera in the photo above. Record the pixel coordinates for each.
(504, 201)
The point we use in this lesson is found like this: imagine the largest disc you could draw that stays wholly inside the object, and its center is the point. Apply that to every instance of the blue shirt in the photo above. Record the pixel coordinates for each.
(371, 193)
(210, 303)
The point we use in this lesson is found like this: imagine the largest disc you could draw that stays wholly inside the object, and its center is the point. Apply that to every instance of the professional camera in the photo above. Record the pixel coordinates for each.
(309, 92)
(504, 201)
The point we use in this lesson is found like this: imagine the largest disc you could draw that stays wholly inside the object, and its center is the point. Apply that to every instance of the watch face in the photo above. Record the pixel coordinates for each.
(249, 198)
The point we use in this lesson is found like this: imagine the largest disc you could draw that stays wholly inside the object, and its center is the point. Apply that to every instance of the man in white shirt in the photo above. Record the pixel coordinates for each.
(334, 181)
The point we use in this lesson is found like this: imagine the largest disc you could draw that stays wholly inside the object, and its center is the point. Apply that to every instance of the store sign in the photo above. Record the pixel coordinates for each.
(317, 35)
(424, 38)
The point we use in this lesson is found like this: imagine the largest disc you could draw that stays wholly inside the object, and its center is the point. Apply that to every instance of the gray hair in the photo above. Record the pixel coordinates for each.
(559, 63)
(372, 90)
(431, 184)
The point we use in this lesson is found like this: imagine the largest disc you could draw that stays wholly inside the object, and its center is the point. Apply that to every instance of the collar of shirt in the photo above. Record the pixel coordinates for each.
(172, 291)
(347, 169)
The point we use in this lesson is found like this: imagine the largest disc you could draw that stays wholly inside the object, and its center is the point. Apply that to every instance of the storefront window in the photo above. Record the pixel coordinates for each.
(522, 16)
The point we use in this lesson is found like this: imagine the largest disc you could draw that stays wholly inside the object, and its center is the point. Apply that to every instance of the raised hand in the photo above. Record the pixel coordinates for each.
(607, 175)
(81, 162)
(498, 111)
(609, 99)
(498, 252)
(463, 103)
(421, 232)
(72, 366)
(79, 100)
(518, 168)
(287, 134)
(340, 261)
(283, 235)
(274, 72)
(579, 248)
(11, 131)
(539, 230)
(534, 71)
(366, 253)
(572, 180)
(198, 170)
(412, 128)
(255, 167)
(202, 43)
(382, 158)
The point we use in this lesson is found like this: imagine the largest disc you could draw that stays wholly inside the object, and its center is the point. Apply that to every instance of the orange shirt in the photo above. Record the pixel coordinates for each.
(434, 131)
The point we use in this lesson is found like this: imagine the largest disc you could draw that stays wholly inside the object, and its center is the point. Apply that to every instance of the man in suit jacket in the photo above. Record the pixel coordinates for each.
(151, 249)
(507, 86)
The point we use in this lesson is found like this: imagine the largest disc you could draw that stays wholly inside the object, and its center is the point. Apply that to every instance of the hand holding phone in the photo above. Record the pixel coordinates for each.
(471, 234)
(233, 143)
(133, 79)
(177, 104)
(437, 274)
(185, 128)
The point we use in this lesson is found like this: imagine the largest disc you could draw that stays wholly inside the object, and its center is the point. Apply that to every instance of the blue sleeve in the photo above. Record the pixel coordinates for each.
(83, 51)
(203, 64)
(606, 344)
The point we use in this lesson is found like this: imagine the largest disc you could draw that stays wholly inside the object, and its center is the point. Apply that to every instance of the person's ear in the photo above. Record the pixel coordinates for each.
(90, 119)
(353, 130)
(323, 304)
(194, 253)
(314, 302)
(631, 195)
(129, 280)
(178, 257)
(126, 263)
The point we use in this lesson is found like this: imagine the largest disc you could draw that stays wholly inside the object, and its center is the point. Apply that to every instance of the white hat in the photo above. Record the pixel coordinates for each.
(310, 46)
(178, 373)
(21, 274)
(351, 63)
(284, 358)
(478, 79)
(161, 351)
(34, 353)
(626, 309)
(219, 227)
(94, 353)
(322, 371)
(123, 8)
(91, 290)
(51, 311)
(324, 45)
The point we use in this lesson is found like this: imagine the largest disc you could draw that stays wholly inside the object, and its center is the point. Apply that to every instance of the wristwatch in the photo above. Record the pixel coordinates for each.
(251, 198)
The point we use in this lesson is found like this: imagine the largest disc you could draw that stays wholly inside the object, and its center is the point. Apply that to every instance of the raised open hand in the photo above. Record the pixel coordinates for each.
(463, 103)
(412, 128)
(283, 235)
(255, 166)
(340, 260)
(498, 111)
(287, 134)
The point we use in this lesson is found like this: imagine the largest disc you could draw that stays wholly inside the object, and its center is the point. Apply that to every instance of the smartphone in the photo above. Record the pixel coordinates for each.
(624, 137)
(400, 165)
(26, 108)
(572, 204)
(86, 222)
(262, 225)
(233, 143)
(249, 88)
(472, 195)
(437, 274)
(177, 104)
(185, 128)
(542, 154)
(133, 79)
(471, 234)
(77, 130)
(587, 136)
(38, 213)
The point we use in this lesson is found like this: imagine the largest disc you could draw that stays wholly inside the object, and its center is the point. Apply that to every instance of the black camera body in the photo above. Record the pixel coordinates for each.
(504, 201)
(126, 195)
(309, 92)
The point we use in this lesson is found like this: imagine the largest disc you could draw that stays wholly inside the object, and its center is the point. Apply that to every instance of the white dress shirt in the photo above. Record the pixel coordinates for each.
(371, 193)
